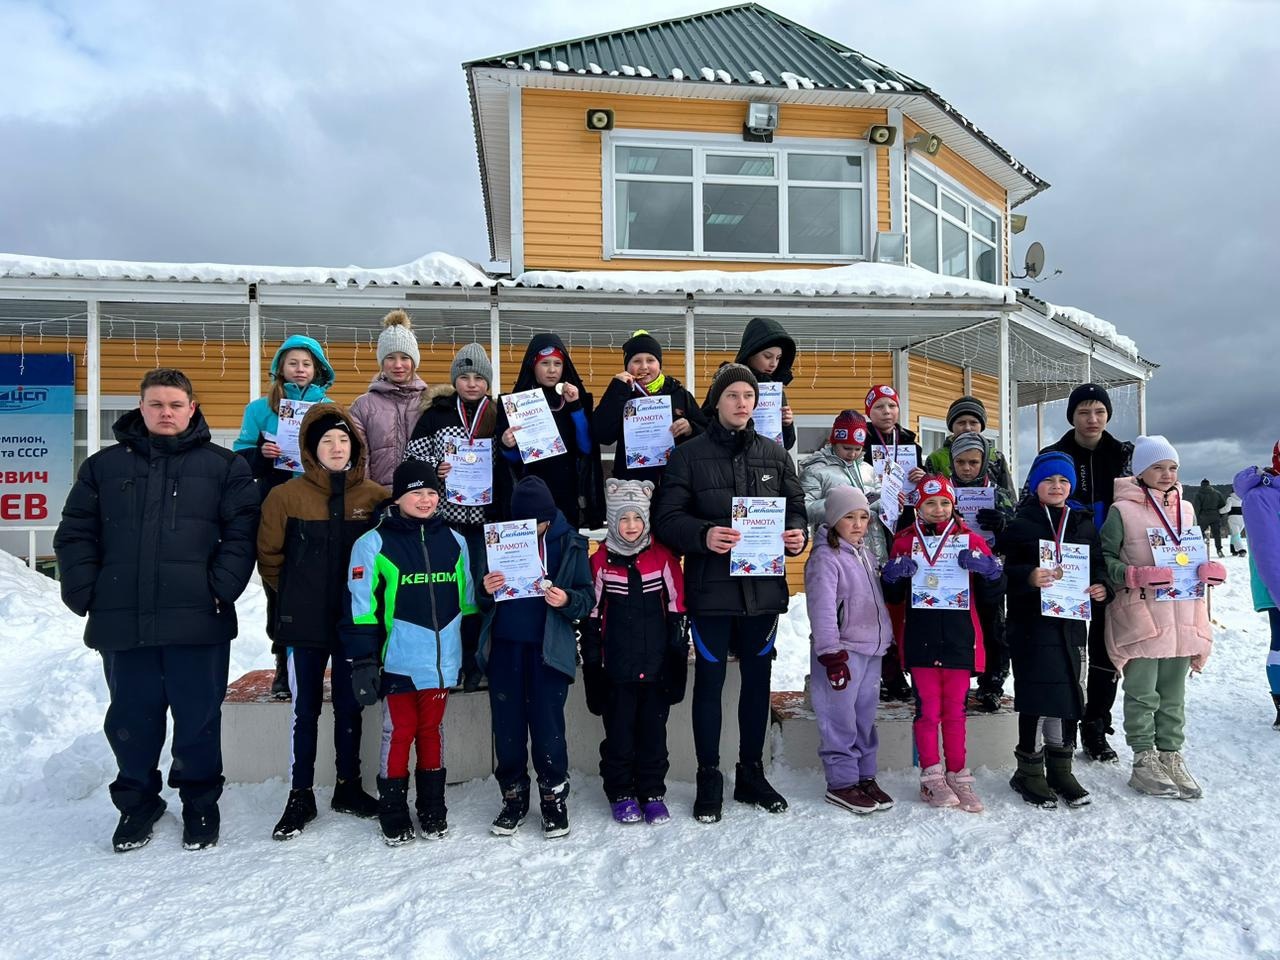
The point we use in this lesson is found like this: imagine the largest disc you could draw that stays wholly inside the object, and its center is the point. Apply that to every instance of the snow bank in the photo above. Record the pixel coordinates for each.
(1103, 330)
(434, 269)
(1125, 877)
(852, 280)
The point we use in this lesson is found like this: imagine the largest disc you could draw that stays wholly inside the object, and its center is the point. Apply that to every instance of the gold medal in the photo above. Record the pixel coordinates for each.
(1058, 573)
(1182, 559)
(469, 458)
(931, 581)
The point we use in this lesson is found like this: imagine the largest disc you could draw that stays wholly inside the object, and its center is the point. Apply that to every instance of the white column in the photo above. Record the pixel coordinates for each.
(968, 381)
(495, 342)
(1040, 444)
(93, 378)
(1088, 364)
(255, 346)
(690, 355)
(1011, 431)
(1142, 408)
(902, 383)
(1007, 427)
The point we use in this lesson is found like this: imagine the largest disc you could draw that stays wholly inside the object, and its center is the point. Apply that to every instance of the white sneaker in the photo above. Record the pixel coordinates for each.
(1176, 767)
(1150, 776)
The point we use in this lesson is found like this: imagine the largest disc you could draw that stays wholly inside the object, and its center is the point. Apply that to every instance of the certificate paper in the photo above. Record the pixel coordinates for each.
(891, 481)
(969, 500)
(646, 431)
(1067, 598)
(768, 412)
(512, 550)
(943, 586)
(470, 479)
(904, 456)
(1186, 584)
(761, 521)
(291, 414)
(537, 436)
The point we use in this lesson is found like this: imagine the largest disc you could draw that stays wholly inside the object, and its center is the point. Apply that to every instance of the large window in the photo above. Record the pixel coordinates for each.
(952, 233)
(737, 200)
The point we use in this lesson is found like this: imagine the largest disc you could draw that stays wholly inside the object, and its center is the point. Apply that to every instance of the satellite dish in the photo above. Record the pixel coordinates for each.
(1034, 262)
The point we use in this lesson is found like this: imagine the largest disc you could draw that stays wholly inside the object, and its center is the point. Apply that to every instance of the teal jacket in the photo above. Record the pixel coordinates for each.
(260, 419)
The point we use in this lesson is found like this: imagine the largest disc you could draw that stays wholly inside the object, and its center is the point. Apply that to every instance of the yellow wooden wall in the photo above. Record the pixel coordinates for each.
(935, 384)
(563, 216)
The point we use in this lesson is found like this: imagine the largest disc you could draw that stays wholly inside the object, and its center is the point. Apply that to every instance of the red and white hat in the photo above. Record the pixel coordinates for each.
(549, 351)
(849, 427)
(936, 486)
(881, 391)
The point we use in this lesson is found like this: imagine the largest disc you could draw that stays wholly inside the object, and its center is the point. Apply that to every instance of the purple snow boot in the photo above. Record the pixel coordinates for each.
(626, 810)
(655, 811)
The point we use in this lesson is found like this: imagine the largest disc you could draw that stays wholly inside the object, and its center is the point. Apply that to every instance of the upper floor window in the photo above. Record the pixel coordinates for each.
(736, 200)
(951, 232)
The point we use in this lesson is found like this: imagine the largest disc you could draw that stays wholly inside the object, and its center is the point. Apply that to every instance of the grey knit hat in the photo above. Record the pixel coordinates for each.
(969, 441)
(471, 359)
(970, 406)
(397, 337)
(625, 496)
(727, 374)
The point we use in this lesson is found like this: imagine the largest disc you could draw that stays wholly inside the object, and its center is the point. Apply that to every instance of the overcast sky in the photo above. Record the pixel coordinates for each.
(331, 133)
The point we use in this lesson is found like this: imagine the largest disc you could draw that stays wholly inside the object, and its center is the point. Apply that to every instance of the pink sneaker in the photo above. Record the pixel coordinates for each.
(961, 784)
(934, 789)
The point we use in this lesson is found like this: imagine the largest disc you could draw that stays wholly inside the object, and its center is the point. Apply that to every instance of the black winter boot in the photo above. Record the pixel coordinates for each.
(1093, 737)
(134, 827)
(299, 810)
(349, 797)
(1029, 780)
(710, 797)
(429, 787)
(280, 682)
(200, 827)
(750, 786)
(393, 810)
(515, 807)
(555, 814)
(1057, 762)
(1275, 698)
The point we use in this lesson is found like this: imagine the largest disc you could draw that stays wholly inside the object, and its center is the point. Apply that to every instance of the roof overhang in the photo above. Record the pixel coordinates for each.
(490, 92)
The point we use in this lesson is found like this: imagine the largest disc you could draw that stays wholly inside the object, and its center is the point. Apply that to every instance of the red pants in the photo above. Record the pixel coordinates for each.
(408, 719)
(940, 699)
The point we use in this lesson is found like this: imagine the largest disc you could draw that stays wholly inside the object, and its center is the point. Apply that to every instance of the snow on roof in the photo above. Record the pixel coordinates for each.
(434, 269)
(855, 280)
(1096, 327)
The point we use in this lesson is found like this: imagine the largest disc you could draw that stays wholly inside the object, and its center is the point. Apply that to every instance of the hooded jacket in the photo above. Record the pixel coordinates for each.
(308, 528)
(156, 539)
(1209, 503)
(386, 416)
(845, 602)
(606, 424)
(1138, 625)
(1259, 492)
(639, 602)
(441, 424)
(697, 493)
(759, 334)
(576, 478)
(1046, 650)
(1096, 470)
(823, 471)
(997, 467)
(259, 419)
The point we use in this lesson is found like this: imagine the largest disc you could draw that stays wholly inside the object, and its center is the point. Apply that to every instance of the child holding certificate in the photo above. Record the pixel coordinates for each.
(769, 352)
(1047, 638)
(633, 415)
(410, 585)
(635, 654)
(1158, 624)
(941, 646)
(529, 651)
(573, 474)
(456, 436)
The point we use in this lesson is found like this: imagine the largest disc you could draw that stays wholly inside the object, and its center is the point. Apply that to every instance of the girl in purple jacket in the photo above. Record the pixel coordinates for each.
(1259, 490)
(850, 629)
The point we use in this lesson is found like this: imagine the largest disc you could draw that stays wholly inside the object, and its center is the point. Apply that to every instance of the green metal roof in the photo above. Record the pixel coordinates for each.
(746, 43)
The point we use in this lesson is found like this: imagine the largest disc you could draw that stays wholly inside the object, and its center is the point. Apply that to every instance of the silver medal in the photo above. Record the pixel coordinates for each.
(469, 458)
(932, 581)
(545, 583)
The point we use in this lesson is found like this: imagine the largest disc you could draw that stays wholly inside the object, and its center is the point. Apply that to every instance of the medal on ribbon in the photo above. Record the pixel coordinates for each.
(1058, 534)
(1180, 558)
(932, 580)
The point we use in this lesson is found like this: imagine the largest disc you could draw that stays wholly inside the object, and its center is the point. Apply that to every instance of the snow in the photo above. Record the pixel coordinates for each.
(677, 73)
(724, 76)
(628, 71)
(1128, 876)
(1102, 329)
(594, 68)
(707, 73)
(856, 279)
(644, 71)
(756, 76)
(562, 67)
(443, 269)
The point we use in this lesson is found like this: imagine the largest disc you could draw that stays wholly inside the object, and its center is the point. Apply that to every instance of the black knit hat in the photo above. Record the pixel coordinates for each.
(642, 341)
(412, 475)
(1086, 392)
(321, 425)
(727, 374)
(967, 406)
(532, 498)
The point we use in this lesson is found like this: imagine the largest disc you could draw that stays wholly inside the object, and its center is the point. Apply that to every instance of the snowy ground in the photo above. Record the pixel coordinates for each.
(1126, 877)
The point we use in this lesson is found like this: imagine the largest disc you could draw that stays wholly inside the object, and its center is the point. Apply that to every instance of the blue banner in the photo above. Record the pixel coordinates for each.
(37, 437)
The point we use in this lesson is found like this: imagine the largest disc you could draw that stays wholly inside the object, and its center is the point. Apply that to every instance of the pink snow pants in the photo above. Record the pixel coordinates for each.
(940, 700)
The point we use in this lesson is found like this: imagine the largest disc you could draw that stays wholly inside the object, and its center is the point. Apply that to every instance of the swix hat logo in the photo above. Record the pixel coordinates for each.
(17, 398)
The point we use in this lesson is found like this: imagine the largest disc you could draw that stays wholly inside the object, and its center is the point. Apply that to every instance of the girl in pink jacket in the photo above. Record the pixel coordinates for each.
(1153, 636)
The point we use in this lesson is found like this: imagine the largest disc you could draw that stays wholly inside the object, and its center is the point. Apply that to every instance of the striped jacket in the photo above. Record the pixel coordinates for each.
(639, 602)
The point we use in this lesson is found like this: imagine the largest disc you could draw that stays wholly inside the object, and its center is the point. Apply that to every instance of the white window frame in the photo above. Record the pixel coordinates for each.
(950, 186)
(707, 143)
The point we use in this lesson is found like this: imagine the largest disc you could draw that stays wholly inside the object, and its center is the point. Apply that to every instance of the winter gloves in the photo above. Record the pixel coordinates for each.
(983, 564)
(364, 681)
(675, 667)
(899, 568)
(1212, 573)
(595, 684)
(1135, 578)
(992, 519)
(837, 665)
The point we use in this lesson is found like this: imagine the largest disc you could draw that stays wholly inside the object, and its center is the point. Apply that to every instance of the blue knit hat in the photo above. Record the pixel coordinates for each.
(1055, 463)
(532, 498)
